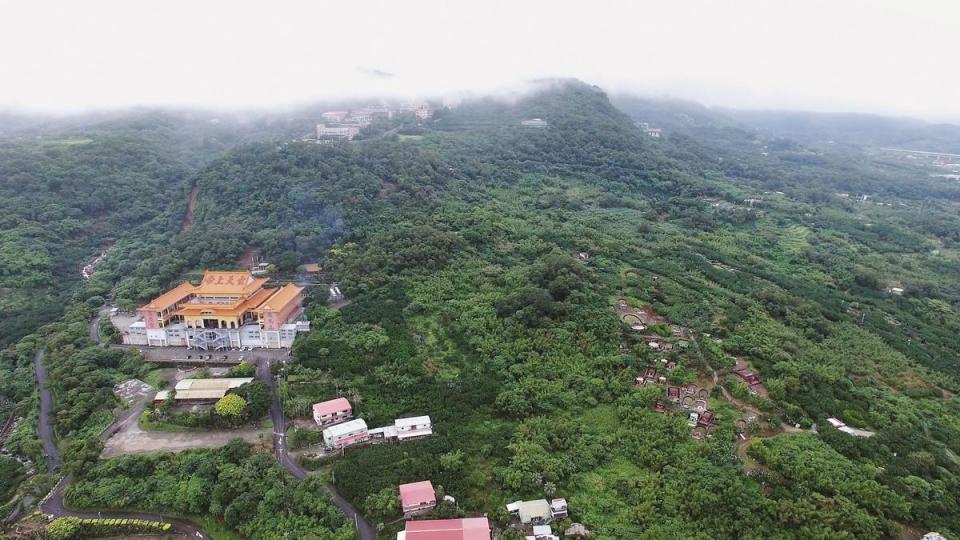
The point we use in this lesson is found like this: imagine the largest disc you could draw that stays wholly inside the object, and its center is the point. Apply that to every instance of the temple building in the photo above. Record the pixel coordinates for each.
(226, 310)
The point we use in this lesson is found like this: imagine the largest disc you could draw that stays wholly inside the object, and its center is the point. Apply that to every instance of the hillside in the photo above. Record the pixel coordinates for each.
(460, 247)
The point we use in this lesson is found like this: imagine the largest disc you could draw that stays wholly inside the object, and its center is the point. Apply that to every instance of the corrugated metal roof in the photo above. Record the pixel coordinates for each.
(345, 428)
(417, 493)
(448, 529)
(225, 383)
(414, 421)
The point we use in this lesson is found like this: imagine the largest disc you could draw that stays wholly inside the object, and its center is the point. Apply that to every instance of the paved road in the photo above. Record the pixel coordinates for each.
(50, 450)
(364, 529)
(53, 504)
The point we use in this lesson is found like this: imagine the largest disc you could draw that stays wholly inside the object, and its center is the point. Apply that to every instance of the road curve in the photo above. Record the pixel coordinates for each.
(365, 530)
(53, 503)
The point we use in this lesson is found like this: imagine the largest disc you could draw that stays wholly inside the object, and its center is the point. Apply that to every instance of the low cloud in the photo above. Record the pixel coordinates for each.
(881, 56)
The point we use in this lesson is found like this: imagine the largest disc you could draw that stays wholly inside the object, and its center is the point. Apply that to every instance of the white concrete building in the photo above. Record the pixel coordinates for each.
(346, 434)
(534, 123)
(410, 428)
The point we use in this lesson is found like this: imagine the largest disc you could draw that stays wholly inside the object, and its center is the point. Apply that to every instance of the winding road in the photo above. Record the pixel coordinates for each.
(364, 529)
(54, 505)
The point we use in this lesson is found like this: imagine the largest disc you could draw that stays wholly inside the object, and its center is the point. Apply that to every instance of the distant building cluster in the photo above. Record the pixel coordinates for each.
(345, 125)
(537, 123)
(649, 130)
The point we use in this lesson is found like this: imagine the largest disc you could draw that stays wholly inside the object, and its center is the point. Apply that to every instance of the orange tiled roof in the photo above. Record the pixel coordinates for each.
(228, 283)
(217, 310)
(281, 298)
(171, 297)
(249, 290)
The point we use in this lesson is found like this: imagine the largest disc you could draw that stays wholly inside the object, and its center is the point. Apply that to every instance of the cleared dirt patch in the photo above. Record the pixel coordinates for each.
(191, 205)
(133, 440)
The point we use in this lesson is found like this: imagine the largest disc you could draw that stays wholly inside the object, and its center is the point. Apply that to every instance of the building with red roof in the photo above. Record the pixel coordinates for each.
(332, 412)
(417, 498)
(748, 376)
(446, 529)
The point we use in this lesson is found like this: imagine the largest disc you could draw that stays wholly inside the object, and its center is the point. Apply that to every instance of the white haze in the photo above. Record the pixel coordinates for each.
(850, 55)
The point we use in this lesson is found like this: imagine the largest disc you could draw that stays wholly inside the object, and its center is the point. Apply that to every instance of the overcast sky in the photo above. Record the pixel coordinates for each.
(884, 56)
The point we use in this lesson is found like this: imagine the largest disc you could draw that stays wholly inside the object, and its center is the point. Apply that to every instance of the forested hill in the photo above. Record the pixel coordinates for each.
(71, 187)
(62, 201)
(495, 274)
(809, 128)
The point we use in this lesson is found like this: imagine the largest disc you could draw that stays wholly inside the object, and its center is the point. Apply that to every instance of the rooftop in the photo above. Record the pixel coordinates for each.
(531, 510)
(281, 298)
(332, 406)
(204, 388)
(417, 493)
(171, 297)
(344, 428)
(447, 529)
(413, 421)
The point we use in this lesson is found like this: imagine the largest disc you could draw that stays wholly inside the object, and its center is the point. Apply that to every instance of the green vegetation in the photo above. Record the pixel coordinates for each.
(230, 405)
(70, 528)
(11, 473)
(245, 405)
(458, 252)
(251, 493)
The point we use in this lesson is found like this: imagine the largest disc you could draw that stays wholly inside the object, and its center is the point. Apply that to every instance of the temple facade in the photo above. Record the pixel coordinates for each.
(226, 310)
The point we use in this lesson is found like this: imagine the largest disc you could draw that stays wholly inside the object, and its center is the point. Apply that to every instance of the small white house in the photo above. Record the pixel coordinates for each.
(542, 532)
(410, 428)
(536, 512)
(346, 434)
(558, 508)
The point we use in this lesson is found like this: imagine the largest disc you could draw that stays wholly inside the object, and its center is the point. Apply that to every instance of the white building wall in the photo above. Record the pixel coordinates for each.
(156, 337)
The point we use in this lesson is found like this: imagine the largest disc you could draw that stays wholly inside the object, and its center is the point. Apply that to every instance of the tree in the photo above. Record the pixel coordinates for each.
(383, 503)
(243, 369)
(257, 395)
(64, 528)
(230, 406)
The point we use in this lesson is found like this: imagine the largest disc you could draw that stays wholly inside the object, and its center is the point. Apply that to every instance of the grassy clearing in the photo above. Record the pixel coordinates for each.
(155, 378)
(147, 425)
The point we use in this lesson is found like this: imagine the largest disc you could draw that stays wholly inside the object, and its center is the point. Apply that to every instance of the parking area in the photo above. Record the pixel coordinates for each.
(230, 356)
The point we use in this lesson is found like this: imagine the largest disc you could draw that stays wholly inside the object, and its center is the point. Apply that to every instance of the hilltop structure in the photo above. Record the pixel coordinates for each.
(226, 310)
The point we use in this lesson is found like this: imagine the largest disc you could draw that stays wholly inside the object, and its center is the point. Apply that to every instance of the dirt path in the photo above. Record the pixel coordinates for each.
(191, 205)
